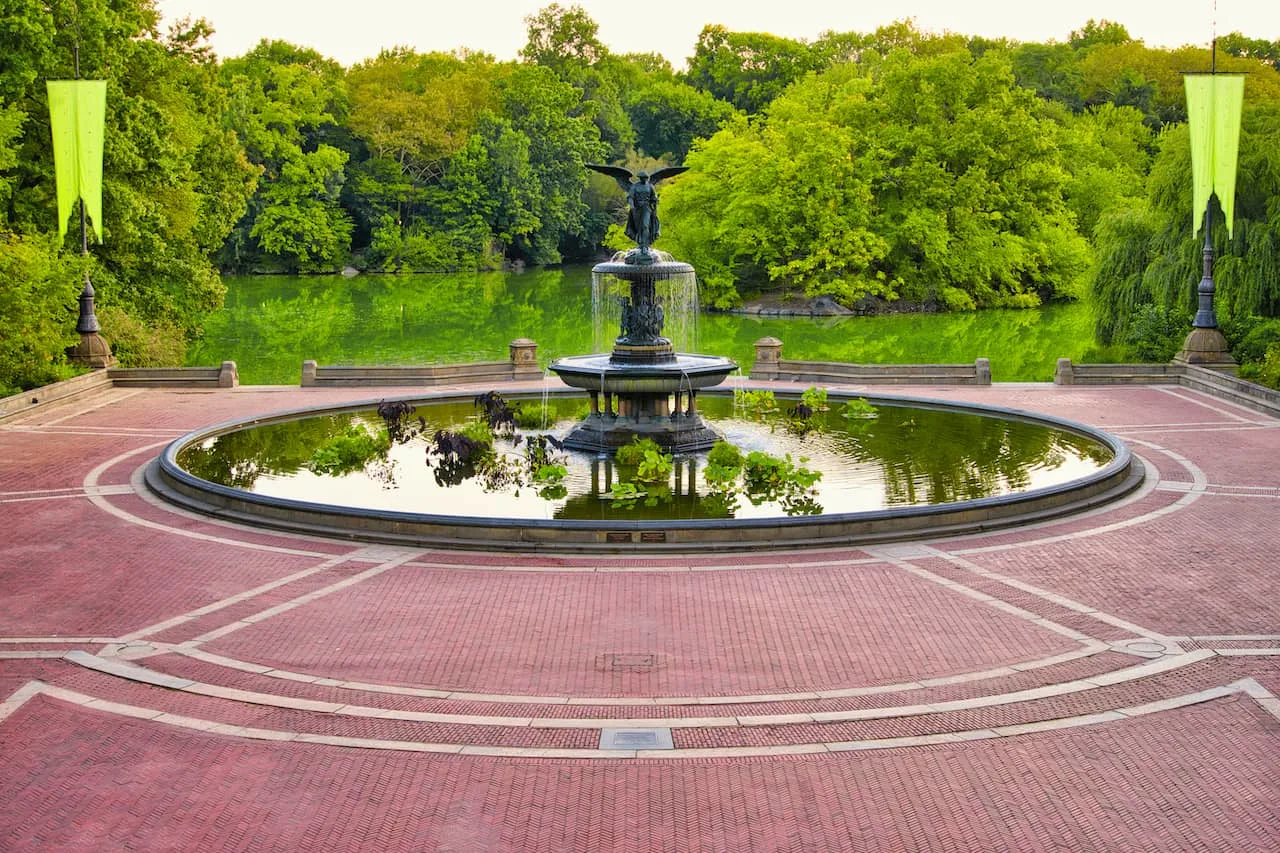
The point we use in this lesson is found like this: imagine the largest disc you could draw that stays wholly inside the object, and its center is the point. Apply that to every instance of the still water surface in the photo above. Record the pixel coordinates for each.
(271, 324)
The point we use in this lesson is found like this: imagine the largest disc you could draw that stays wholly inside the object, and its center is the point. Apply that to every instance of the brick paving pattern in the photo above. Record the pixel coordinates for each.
(1106, 681)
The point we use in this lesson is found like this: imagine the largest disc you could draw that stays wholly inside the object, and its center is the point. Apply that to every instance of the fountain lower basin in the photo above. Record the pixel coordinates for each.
(451, 524)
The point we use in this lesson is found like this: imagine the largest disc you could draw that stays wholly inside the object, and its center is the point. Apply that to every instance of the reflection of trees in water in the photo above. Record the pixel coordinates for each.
(940, 457)
(239, 458)
(271, 323)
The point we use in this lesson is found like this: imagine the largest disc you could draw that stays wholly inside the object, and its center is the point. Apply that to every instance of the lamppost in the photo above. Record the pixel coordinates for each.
(1214, 103)
(77, 113)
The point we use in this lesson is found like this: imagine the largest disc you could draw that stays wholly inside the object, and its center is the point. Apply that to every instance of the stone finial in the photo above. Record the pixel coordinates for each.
(308, 373)
(228, 375)
(524, 356)
(982, 371)
(1206, 347)
(1064, 374)
(93, 350)
(768, 357)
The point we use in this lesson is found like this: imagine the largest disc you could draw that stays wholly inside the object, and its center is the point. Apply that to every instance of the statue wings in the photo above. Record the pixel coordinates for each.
(625, 176)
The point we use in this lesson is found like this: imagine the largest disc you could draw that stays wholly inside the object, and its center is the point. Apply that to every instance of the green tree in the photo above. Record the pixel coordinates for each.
(934, 179)
(174, 181)
(1052, 71)
(749, 70)
(565, 41)
(1149, 254)
(541, 107)
(285, 105)
(1095, 33)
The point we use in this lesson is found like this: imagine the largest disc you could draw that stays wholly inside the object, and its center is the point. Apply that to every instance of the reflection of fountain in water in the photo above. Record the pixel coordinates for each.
(677, 294)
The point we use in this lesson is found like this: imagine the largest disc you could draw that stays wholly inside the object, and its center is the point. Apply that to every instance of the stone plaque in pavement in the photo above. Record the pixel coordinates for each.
(658, 738)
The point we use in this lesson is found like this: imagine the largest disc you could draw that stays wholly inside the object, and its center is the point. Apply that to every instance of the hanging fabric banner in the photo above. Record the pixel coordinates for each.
(1214, 104)
(77, 113)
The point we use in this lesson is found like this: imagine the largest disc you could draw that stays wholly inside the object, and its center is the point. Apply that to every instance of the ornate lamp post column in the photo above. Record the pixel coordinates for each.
(1214, 102)
(77, 110)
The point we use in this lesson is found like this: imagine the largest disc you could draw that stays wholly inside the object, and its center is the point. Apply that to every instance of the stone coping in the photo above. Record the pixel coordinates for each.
(168, 480)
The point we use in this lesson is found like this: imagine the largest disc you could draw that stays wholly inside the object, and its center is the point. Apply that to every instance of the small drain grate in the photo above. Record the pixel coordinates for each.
(659, 738)
(627, 662)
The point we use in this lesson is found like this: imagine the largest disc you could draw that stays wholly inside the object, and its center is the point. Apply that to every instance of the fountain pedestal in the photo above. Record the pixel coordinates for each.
(643, 387)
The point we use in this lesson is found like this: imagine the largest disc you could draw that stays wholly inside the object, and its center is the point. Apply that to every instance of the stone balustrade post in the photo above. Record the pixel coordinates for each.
(768, 358)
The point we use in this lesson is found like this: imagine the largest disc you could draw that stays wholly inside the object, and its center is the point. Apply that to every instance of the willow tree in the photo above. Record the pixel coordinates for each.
(1149, 255)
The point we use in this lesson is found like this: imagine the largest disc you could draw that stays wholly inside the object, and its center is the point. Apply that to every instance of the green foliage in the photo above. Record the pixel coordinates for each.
(723, 466)
(138, 344)
(624, 494)
(285, 102)
(1251, 338)
(773, 478)
(1151, 254)
(550, 474)
(1267, 371)
(815, 398)
(933, 179)
(724, 454)
(859, 407)
(479, 432)
(351, 450)
(651, 464)
(749, 70)
(1156, 333)
(38, 289)
(756, 403)
(174, 181)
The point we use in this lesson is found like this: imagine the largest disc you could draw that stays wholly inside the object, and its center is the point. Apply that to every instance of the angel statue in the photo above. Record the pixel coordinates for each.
(642, 205)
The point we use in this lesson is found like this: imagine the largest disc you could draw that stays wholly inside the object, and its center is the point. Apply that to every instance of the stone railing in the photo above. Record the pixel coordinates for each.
(1067, 373)
(224, 375)
(57, 392)
(521, 365)
(1215, 383)
(769, 365)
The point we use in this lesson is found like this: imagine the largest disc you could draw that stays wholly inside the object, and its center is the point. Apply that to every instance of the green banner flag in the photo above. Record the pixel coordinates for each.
(1214, 104)
(77, 113)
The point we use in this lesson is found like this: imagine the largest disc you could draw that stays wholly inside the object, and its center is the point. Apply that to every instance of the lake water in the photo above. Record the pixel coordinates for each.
(271, 324)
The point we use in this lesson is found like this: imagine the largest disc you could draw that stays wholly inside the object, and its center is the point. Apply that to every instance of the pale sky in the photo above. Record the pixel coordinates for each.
(350, 32)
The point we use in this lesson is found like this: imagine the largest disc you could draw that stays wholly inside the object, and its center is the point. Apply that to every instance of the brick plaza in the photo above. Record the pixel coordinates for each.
(1105, 681)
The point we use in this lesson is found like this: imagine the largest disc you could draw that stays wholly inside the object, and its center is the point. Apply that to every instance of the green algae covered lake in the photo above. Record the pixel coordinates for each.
(271, 324)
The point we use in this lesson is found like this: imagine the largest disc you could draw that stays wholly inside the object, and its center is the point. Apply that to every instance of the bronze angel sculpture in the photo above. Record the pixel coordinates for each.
(642, 204)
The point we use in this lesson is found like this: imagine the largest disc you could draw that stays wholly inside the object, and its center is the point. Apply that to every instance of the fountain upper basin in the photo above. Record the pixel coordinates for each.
(602, 373)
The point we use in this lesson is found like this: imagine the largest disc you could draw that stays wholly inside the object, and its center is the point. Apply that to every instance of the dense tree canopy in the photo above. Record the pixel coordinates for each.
(932, 179)
(890, 166)
(174, 181)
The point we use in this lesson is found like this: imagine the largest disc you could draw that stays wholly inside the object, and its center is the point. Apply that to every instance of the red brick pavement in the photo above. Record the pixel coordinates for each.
(1198, 776)
(710, 633)
(88, 781)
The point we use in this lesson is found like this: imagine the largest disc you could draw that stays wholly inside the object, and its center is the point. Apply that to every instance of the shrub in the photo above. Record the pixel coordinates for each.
(1156, 333)
(134, 343)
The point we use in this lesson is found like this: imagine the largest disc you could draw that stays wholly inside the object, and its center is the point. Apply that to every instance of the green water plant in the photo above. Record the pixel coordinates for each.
(859, 408)
(774, 478)
(651, 463)
(815, 398)
(351, 450)
(756, 403)
(723, 467)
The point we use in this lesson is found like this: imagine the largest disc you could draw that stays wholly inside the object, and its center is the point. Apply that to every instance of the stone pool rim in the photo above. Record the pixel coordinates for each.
(169, 481)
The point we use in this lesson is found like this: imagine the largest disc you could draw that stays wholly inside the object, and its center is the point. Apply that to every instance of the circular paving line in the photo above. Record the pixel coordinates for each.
(1248, 687)
(626, 562)
(765, 561)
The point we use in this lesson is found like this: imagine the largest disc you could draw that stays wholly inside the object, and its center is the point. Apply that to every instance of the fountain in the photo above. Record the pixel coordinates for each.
(813, 475)
(644, 388)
